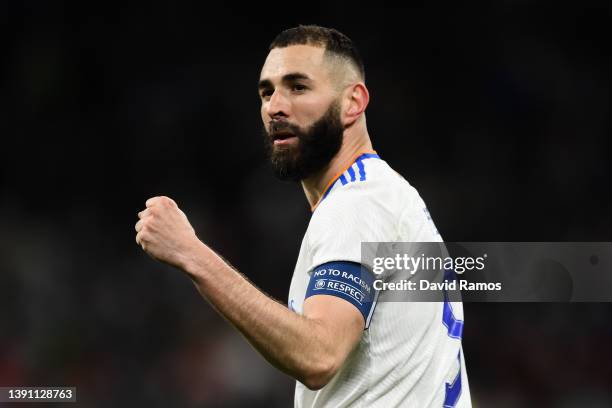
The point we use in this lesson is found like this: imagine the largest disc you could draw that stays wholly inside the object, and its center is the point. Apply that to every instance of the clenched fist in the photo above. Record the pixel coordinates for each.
(164, 232)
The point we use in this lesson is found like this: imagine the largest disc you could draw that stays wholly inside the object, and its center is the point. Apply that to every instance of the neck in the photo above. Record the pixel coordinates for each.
(354, 143)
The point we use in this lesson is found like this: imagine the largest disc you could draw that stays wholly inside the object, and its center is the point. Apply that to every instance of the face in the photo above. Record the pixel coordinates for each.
(300, 110)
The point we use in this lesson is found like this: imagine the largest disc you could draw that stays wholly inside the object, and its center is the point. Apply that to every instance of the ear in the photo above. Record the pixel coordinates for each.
(357, 98)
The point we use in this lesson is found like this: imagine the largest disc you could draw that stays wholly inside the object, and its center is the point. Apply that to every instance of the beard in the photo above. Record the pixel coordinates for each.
(315, 146)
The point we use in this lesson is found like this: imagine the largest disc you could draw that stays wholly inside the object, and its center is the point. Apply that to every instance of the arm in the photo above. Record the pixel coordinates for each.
(310, 348)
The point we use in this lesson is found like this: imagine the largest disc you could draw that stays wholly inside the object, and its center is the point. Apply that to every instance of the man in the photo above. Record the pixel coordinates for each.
(341, 349)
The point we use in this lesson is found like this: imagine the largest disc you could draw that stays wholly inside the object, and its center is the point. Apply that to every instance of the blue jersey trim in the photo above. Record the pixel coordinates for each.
(453, 390)
(362, 172)
(454, 328)
(453, 325)
(351, 173)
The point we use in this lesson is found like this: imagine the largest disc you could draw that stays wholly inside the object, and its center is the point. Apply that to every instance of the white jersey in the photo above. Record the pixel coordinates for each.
(407, 355)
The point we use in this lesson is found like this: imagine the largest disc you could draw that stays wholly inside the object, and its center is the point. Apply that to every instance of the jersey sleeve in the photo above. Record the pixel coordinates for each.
(337, 231)
(351, 217)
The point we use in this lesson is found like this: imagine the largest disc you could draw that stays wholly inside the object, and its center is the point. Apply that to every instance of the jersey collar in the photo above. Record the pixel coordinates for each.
(364, 154)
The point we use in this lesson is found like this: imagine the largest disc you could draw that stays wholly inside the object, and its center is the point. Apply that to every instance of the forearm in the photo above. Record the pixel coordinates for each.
(297, 345)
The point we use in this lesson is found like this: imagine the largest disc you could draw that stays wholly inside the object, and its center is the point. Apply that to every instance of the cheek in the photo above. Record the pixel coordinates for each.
(264, 117)
(308, 110)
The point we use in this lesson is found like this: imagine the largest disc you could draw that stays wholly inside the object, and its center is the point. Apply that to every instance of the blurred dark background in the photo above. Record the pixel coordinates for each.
(498, 114)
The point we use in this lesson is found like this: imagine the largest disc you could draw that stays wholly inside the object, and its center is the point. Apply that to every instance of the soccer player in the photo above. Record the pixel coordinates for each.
(343, 350)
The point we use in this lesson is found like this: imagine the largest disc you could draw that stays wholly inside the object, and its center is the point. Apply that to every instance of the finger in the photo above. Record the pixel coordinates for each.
(164, 201)
(144, 213)
(171, 202)
(138, 226)
(151, 201)
(139, 239)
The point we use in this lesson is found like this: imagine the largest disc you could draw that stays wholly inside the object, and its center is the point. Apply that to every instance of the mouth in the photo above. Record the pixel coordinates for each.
(283, 138)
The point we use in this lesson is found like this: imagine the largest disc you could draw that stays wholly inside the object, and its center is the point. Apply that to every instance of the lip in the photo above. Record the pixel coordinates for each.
(283, 137)
(286, 140)
(283, 134)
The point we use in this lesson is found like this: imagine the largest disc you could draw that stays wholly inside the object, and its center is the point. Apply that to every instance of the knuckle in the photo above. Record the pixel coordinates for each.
(167, 201)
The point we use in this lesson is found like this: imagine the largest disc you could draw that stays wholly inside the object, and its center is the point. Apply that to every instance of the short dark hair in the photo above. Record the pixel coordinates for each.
(332, 40)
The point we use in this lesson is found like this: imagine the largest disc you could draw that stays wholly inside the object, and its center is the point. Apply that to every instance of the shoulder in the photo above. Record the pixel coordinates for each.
(370, 202)
(375, 203)
(363, 200)
(367, 185)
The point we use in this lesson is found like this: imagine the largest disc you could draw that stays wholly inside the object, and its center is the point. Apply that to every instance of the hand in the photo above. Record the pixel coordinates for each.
(164, 232)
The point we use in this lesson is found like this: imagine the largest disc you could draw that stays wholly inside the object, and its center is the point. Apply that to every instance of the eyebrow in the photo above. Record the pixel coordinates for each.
(287, 78)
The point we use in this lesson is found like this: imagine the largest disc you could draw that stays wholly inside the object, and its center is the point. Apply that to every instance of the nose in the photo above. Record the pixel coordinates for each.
(277, 105)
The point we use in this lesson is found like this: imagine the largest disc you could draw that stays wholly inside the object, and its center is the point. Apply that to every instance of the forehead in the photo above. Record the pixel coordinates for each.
(306, 59)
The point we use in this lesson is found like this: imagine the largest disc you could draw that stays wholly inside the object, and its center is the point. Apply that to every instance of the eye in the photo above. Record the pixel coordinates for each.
(266, 93)
(299, 87)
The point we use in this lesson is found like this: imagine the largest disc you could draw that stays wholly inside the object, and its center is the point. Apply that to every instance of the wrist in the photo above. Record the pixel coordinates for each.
(190, 262)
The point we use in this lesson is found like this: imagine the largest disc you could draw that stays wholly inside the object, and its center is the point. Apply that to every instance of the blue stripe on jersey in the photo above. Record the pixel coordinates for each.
(343, 179)
(346, 280)
(359, 160)
(362, 173)
(453, 391)
(453, 325)
(351, 173)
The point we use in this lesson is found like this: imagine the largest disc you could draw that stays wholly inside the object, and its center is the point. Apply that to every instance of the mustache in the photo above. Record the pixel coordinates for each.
(278, 126)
